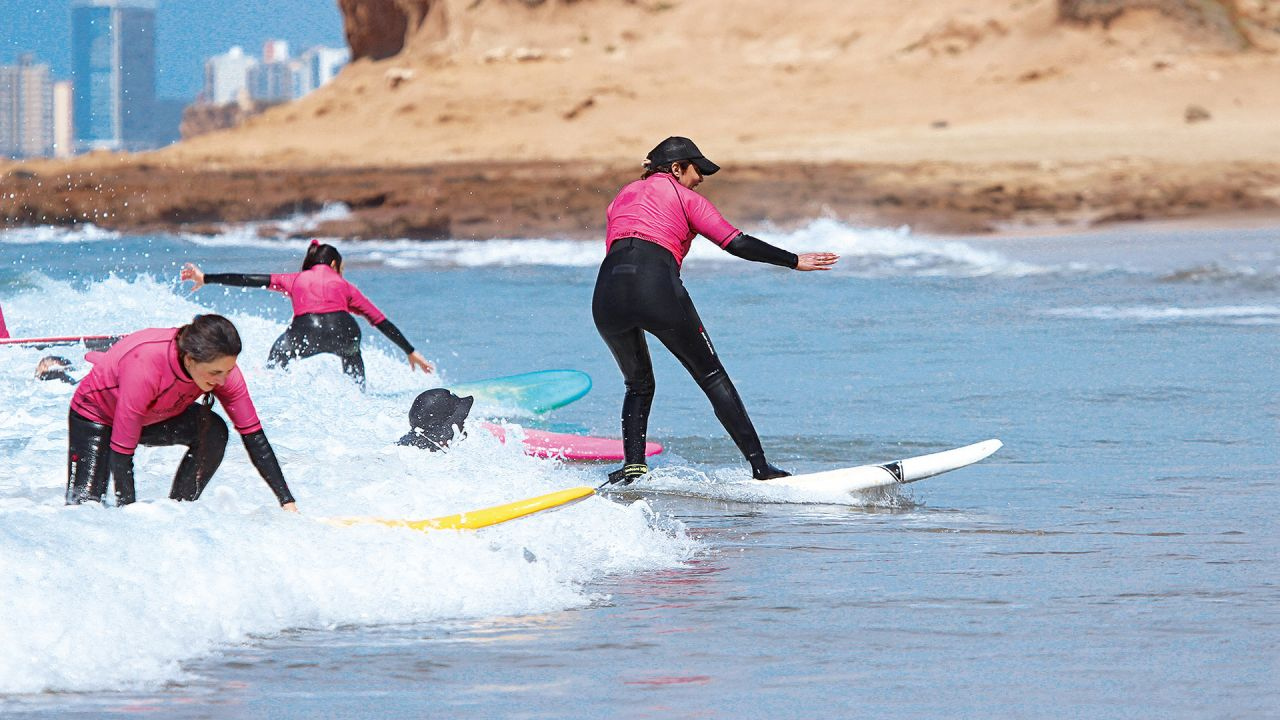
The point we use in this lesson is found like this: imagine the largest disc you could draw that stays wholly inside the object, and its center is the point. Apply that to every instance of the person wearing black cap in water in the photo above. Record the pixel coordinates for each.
(651, 226)
(435, 416)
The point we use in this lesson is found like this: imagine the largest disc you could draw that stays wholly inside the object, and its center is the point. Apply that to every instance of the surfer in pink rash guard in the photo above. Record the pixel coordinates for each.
(323, 301)
(651, 226)
(144, 391)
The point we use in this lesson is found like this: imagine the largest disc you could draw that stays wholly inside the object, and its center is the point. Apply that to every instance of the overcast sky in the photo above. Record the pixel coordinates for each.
(187, 32)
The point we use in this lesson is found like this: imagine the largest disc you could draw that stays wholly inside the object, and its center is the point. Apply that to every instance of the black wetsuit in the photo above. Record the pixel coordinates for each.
(314, 333)
(91, 461)
(639, 290)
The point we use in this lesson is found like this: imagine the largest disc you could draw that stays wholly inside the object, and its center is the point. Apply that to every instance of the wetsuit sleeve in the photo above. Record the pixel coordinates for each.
(234, 396)
(122, 476)
(264, 459)
(237, 280)
(394, 335)
(757, 250)
(358, 303)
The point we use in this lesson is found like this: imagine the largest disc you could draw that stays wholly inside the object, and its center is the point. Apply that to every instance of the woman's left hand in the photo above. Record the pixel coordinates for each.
(816, 261)
(417, 361)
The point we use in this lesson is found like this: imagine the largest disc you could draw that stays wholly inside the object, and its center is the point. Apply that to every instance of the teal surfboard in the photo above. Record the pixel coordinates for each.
(533, 392)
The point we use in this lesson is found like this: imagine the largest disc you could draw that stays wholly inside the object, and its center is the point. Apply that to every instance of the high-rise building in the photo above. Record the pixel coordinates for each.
(274, 51)
(225, 76)
(113, 68)
(272, 82)
(322, 64)
(26, 109)
(275, 79)
(64, 138)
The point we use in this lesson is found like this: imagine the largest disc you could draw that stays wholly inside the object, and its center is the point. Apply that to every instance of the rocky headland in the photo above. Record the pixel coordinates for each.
(521, 118)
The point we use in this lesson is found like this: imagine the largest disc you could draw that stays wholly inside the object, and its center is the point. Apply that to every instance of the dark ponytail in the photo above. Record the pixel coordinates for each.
(208, 338)
(321, 254)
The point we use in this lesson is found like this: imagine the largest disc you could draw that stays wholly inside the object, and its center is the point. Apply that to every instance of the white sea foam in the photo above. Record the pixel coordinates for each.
(254, 234)
(892, 252)
(1234, 314)
(870, 252)
(105, 598)
(51, 234)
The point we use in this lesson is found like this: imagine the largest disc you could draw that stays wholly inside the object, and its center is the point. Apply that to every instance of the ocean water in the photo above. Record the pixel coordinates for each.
(1119, 557)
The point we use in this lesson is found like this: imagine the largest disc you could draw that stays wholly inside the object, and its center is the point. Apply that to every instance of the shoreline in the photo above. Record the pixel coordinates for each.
(482, 200)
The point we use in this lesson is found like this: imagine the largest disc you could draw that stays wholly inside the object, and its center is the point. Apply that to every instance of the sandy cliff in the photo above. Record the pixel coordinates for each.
(951, 113)
(759, 80)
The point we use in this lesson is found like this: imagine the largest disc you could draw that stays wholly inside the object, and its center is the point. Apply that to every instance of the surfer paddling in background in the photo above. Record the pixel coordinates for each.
(651, 226)
(323, 301)
(144, 391)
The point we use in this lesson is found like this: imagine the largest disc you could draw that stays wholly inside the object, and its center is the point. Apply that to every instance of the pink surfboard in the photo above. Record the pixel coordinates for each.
(540, 443)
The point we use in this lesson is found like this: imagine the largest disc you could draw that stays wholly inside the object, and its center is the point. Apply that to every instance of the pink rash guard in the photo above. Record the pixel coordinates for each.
(663, 211)
(321, 290)
(140, 382)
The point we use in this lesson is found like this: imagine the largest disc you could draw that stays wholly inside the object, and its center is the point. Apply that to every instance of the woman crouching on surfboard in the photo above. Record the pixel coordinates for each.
(323, 301)
(143, 391)
(651, 226)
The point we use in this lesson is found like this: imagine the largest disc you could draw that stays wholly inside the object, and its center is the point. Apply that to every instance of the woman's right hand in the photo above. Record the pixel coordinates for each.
(417, 361)
(290, 507)
(816, 261)
(192, 273)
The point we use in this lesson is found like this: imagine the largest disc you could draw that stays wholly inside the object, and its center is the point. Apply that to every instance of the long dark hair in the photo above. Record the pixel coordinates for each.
(321, 254)
(650, 169)
(208, 338)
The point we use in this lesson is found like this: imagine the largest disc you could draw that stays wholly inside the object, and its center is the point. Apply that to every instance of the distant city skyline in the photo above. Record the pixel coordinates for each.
(187, 33)
(277, 76)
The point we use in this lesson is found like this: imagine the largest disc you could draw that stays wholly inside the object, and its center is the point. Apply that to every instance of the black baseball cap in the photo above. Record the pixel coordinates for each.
(675, 149)
(433, 417)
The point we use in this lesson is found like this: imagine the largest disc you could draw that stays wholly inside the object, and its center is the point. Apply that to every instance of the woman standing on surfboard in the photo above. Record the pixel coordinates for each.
(323, 301)
(651, 226)
(144, 391)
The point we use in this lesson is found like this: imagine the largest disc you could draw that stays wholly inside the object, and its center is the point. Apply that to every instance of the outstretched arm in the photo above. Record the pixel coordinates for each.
(199, 279)
(757, 250)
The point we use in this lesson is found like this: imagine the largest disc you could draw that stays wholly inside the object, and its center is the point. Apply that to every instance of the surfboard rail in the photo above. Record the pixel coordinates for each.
(43, 342)
(907, 470)
(538, 392)
(481, 518)
(566, 446)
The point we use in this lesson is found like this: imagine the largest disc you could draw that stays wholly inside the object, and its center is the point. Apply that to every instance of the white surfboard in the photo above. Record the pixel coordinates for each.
(869, 477)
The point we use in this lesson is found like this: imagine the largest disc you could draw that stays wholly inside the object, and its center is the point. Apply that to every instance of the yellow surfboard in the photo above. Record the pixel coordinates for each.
(483, 517)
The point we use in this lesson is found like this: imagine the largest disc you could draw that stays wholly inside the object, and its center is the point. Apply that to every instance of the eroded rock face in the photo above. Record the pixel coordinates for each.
(1241, 24)
(378, 29)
